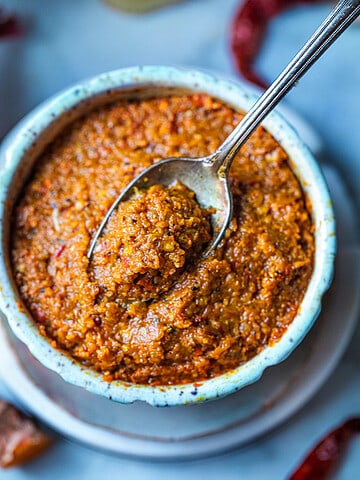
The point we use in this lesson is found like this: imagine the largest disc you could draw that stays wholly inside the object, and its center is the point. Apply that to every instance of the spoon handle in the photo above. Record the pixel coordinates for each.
(343, 14)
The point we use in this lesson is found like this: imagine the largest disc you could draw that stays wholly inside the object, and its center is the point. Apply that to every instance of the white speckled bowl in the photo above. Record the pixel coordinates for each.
(27, 140)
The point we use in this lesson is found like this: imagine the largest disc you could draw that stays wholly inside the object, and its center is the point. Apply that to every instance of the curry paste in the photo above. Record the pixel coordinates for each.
(220, 311)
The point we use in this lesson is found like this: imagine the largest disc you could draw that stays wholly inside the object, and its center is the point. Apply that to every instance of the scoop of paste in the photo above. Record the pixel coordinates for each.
(148, 241)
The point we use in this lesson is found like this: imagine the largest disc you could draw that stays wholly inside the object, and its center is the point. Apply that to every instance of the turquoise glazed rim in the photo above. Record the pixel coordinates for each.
(25, 142)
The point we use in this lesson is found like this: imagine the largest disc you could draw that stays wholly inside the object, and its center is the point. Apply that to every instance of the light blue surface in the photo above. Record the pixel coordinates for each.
(67, 41)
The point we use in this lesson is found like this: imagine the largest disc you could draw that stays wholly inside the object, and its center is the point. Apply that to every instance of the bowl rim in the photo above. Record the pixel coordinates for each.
(22, 137)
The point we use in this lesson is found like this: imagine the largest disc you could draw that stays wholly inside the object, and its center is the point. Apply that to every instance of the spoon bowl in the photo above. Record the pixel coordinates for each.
(199, 175)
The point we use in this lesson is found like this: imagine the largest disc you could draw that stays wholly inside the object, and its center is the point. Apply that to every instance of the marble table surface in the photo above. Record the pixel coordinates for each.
(67, 41)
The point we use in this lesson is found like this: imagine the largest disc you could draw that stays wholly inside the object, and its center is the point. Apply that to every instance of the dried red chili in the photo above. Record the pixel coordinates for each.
(248, 30)
(59, 251)
(9, 25)
(322, 460)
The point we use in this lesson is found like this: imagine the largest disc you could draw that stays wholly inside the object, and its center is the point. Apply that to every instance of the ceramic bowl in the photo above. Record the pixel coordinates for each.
(27, 140)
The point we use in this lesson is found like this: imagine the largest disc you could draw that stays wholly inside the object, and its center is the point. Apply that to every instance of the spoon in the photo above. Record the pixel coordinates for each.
(208, 176)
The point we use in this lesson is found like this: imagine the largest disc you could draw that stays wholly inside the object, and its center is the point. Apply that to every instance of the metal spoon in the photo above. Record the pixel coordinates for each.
(208, 176)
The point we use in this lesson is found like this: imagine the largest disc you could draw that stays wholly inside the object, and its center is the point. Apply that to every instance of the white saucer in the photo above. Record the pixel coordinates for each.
(201, 430)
